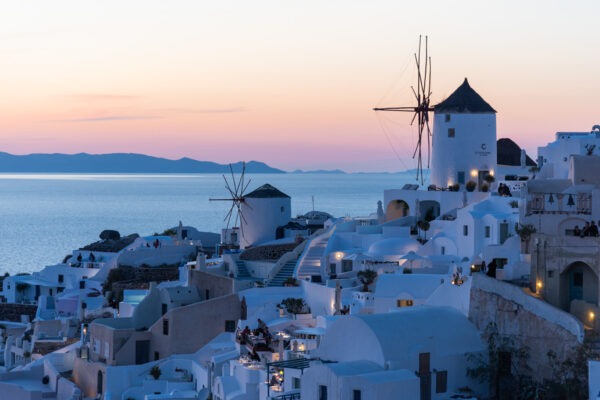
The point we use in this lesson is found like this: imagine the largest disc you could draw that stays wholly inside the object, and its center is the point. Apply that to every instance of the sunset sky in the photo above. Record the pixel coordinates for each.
(290, 83)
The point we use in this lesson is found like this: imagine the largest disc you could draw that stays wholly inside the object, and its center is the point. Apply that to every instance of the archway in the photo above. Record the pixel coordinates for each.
(429, 209)
(578, 282)
(396, 209)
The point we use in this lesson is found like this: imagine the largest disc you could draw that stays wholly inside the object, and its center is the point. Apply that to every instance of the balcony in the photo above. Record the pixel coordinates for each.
(559, 203)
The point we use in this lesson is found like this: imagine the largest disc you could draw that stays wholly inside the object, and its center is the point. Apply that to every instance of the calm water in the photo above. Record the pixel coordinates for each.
(44, 217)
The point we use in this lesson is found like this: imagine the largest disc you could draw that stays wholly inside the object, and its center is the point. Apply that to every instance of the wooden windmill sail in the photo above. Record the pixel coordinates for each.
(236, 187)
(421, 110)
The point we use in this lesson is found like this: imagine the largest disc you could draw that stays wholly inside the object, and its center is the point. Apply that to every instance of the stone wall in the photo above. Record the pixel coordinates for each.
(210, 284)
(12, 312)
(529, 322)
(271, 252)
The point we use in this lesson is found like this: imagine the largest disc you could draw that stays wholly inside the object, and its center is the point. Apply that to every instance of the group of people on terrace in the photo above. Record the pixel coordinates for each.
(589, 229)
(504, 190)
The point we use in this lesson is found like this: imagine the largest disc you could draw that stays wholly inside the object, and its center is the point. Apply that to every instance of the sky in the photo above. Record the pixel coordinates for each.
(289, 83)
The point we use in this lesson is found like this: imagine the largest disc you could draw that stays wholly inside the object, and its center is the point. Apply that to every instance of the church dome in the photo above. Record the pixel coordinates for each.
(394, 246)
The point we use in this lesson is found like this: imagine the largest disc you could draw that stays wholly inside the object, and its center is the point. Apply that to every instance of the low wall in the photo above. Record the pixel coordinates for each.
(12, 312)
(531, 323)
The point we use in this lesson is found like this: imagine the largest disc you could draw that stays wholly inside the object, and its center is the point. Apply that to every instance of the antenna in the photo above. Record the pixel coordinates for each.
(422, 109)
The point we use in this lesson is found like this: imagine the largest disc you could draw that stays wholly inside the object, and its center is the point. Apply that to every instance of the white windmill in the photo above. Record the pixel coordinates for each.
(462, 144)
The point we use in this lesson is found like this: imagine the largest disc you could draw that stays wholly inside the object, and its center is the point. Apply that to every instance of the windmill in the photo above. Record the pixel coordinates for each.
(421, 109)
(236, 187)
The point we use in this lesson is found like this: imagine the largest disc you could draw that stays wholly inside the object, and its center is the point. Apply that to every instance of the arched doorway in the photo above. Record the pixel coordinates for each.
(578, 282)
(396, 209)
(100, 383)
(429, 210)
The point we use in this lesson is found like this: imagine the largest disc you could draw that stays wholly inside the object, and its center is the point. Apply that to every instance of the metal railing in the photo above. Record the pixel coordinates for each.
(559, 203)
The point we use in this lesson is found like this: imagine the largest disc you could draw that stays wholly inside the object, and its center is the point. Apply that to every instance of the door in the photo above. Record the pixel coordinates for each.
(576, 285)
(142, 351)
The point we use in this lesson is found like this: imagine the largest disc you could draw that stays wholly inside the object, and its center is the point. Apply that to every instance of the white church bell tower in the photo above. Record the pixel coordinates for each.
(464, 139)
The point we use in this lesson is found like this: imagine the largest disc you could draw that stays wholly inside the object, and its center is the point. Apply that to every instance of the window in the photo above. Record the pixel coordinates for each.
(322, 392)
(441, 381)
(443, 250)
(488, 231)
(404, 303)
(165, 326)
(81, 284)
(61, 278)
(295, 383)
(550, 274)
(282, 208)
(447, 118)
(451, 132)
(346, 265)
(229, 326)
(461, 177)
(156, 356)
(465, 230)
(356, 394)
(164, 308)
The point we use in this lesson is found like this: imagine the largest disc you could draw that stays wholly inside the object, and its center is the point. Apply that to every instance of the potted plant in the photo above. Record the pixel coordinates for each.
(367, 277)
(470, 186)
(155, 372)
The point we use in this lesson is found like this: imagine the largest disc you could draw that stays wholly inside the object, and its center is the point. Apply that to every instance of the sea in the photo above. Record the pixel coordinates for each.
(44, 217)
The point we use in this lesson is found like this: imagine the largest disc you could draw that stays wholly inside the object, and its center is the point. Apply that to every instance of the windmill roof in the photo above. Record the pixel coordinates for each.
(266, 191)
(464, 100)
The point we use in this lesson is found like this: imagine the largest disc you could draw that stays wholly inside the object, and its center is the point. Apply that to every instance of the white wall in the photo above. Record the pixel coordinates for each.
(262, 216)
(472, 148)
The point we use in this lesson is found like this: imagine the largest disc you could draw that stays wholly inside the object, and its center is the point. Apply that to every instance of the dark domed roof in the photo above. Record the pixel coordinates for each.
(266, 191)
(509, 153)
(464, 100)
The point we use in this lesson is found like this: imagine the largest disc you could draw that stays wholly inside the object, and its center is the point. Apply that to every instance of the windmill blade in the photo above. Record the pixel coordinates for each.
(245, 187)
(242, 178)
(233, 179)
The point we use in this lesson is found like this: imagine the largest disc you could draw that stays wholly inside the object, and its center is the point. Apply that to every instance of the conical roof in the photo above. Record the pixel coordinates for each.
(464, 100)
(266, 191)
(509, 153)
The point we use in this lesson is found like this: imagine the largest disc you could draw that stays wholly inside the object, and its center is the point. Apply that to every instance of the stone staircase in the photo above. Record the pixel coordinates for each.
(287, 271)
(242, 270)
(310, 262)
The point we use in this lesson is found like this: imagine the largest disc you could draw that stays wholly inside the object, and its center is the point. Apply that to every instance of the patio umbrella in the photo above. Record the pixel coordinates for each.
(411, 256)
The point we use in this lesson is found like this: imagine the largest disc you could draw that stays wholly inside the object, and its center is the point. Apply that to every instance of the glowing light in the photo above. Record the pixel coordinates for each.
(473, 173)
(338, 255)
(592, 315)
(539, 284)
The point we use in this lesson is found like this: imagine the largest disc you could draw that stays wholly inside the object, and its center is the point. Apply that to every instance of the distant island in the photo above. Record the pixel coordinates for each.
(119, 163)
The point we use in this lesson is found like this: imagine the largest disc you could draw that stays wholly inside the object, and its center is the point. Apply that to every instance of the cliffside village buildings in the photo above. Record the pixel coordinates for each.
(456, 289)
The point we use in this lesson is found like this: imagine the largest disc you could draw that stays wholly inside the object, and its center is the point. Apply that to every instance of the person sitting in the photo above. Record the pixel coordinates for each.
(268, 337)
(576, 231)
(244, 335)
(261, 326)
(593, 229)
(507, 192)
(586, 230)
(254, 356)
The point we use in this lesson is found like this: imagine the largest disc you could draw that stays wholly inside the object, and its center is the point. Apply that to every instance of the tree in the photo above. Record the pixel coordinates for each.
(570, 376)
(367, 277)
(525, 232)
(424, 226)
(505, 367)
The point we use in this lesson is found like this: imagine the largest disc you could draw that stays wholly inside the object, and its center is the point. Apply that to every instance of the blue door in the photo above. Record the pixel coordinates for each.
(575, 285)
